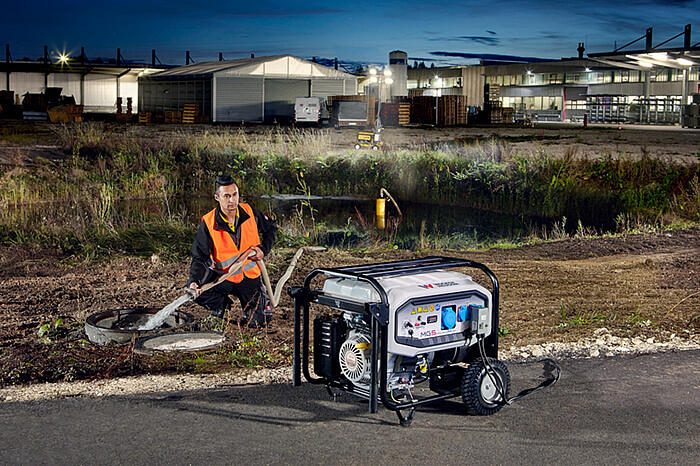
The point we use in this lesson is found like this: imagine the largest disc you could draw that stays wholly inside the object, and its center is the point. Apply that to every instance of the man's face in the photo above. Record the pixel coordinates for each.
(227, 197)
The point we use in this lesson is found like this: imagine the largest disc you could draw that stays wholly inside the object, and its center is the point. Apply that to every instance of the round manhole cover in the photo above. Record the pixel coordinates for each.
(186, 341)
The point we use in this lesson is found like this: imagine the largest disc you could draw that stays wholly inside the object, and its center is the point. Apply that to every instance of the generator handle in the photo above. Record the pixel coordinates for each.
(335, 273)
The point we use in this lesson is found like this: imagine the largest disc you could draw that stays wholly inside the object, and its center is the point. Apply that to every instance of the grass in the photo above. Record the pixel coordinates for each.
(107, 165)
(248, 351)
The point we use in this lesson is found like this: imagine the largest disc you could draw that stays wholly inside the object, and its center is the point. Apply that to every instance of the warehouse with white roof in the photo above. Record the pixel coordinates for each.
(259, 89)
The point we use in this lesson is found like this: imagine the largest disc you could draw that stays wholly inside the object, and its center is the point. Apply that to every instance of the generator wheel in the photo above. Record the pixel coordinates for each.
(357, 146)
(479, 394)
(375, 148)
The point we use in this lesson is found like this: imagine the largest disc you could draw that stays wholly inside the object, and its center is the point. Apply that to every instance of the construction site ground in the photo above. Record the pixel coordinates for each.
(20, 140)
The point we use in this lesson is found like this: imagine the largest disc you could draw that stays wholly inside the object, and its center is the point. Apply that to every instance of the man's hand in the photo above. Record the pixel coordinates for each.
(258, 254)
(196, 291)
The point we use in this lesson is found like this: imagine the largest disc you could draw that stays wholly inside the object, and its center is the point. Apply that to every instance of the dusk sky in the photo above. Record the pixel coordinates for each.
(355, 31)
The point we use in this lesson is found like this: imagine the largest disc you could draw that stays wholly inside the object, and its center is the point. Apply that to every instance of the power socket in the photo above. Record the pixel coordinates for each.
(479, 321)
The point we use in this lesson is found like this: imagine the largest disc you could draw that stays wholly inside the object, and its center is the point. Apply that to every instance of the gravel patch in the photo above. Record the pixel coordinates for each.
(601, 344)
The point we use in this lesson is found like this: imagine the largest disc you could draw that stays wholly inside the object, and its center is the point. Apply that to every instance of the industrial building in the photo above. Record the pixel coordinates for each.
(648, 85)
(94, 84)
(261, 89)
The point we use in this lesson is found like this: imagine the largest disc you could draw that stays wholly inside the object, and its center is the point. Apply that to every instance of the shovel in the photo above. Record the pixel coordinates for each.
(192, 294)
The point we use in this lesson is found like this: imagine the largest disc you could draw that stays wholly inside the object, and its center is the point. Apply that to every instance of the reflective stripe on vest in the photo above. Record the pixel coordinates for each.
(225, 250)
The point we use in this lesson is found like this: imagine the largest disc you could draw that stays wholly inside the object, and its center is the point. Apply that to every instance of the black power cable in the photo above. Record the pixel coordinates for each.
(498, 383)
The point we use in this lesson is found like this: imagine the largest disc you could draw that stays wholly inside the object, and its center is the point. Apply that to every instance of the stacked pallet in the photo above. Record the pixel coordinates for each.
(190, 112)
(453, 110)
(145, 117)
(495, 112)
(423, 110)
(494, 92)
(691, 118)
(404, 113)
(508, 115)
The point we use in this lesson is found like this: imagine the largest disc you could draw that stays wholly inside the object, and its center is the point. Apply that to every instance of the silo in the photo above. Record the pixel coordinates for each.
(397, 65)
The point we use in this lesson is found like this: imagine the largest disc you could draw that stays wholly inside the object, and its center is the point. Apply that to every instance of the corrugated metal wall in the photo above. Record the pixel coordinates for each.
(328, 87)
(22, 83)
(100, 93)
(280, 95)
(238, 99)
(473, 85)
(69, 82)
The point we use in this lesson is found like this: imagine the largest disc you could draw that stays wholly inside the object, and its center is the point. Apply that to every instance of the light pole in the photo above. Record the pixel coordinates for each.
(380, 78)
(438, 91)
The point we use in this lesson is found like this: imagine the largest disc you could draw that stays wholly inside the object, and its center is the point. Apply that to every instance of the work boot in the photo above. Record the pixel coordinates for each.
(263, 313)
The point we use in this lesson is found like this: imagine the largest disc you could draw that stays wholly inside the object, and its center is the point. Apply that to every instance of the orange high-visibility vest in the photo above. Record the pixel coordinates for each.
(225, 251)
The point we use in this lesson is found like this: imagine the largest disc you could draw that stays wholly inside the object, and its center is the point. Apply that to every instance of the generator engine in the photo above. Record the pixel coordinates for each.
(434, 319)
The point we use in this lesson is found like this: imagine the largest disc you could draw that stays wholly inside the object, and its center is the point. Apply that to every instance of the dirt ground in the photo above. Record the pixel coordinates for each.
(636, 285)
(25, 140)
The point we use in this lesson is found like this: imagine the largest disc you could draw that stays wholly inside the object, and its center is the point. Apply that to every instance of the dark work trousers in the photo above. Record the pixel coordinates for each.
(248, 292)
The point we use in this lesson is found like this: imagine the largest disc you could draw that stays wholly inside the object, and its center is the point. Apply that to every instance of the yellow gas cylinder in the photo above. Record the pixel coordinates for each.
(380, 212)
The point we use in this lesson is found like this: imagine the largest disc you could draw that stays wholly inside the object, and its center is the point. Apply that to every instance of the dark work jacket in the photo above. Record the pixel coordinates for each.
(200, 271)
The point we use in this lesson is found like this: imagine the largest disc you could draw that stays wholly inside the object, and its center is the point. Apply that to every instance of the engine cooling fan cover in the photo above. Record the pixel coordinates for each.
(354, 363)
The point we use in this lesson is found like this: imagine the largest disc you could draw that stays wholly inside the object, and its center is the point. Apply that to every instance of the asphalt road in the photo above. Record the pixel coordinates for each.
(620, 410)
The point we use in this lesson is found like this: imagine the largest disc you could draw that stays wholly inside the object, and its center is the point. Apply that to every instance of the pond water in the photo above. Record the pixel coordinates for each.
(352, 216)
(341, 221)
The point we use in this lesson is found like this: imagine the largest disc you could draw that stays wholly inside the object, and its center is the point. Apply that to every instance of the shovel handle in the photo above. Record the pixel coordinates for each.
(235, 267)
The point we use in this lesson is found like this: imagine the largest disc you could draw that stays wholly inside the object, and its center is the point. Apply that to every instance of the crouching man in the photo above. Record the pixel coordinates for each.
(224, 233)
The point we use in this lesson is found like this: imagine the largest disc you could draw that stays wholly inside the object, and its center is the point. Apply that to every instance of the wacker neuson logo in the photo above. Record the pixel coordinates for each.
(438, 285)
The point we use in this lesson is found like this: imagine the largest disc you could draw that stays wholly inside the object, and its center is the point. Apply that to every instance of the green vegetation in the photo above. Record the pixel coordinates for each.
(248, 351)
(74, 205)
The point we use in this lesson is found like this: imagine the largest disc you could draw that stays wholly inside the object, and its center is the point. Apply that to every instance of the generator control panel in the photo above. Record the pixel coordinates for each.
(423, 323)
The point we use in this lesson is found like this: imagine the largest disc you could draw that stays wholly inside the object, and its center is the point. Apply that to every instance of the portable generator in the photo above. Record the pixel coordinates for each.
(394, 325)
(370, 139)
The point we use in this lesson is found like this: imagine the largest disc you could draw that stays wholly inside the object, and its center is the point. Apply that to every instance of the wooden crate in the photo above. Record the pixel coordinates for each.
(173, 116)
(452, 110)
(145, 117)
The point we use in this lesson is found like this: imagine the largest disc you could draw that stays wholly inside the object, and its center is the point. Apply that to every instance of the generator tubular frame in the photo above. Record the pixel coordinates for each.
(379, 320)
